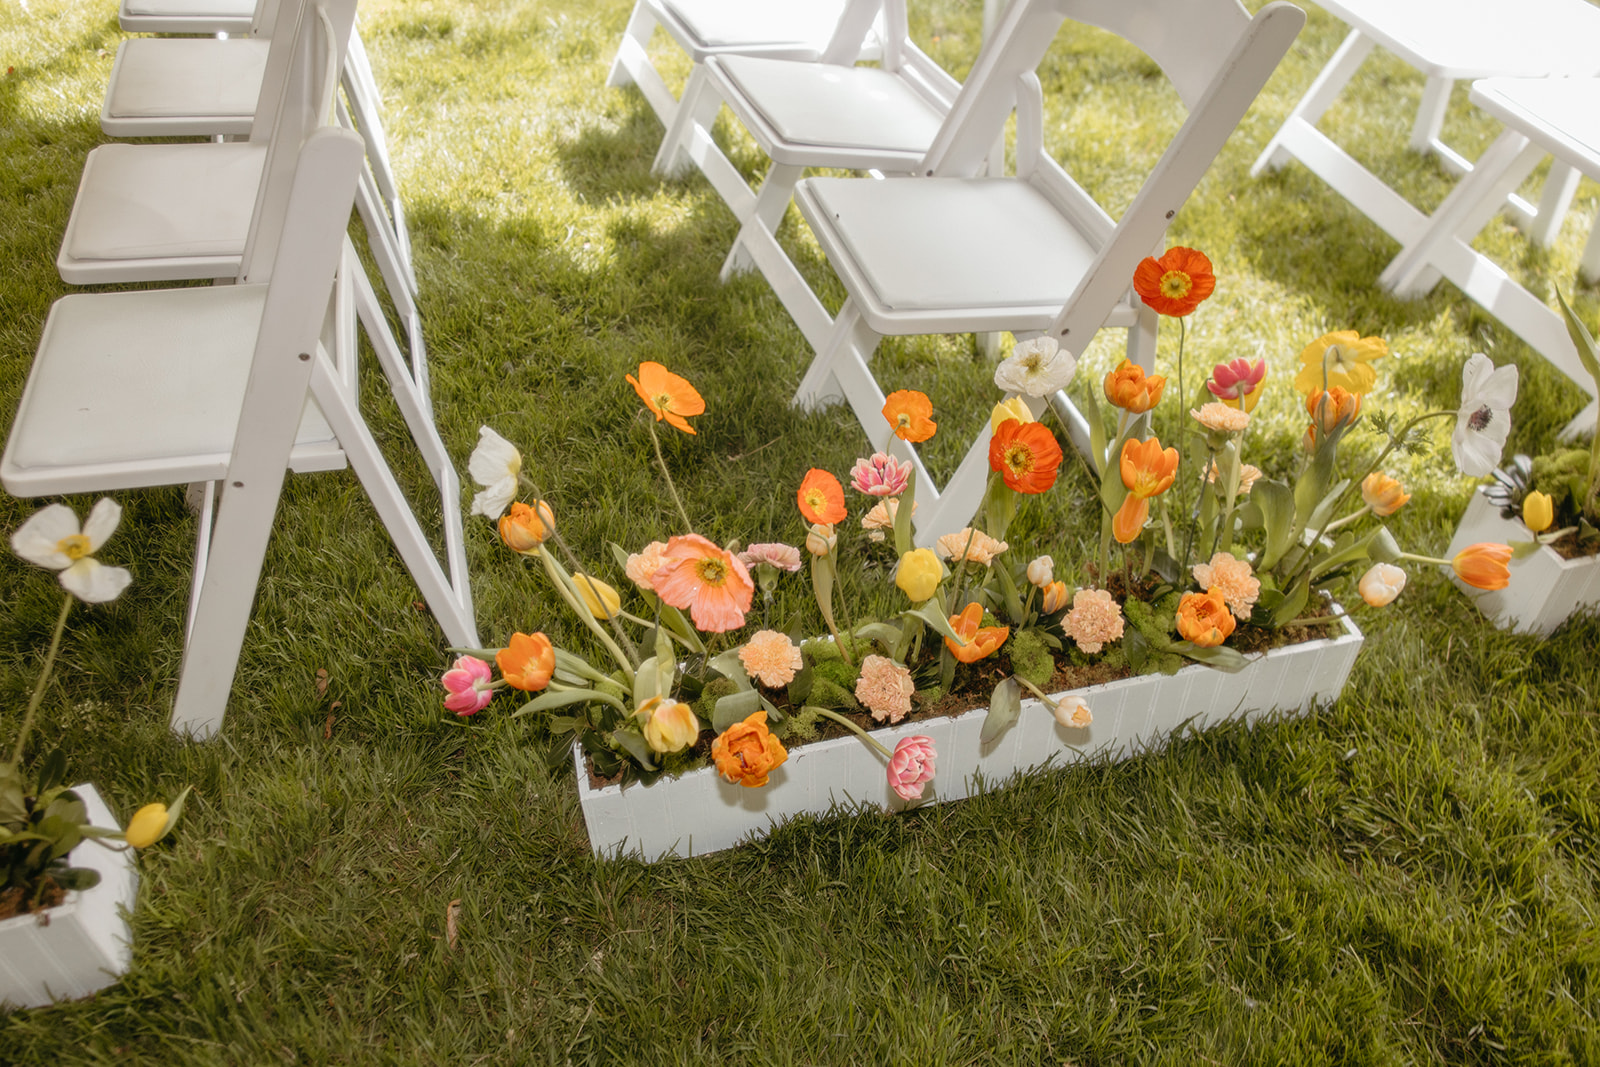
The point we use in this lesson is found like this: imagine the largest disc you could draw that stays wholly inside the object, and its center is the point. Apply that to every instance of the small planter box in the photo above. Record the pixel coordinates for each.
(699, 812)
(1545, 589)
(81, 945)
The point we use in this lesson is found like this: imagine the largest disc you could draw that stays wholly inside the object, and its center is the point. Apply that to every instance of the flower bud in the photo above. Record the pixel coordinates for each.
(148, 825)
(1015, 408)
(1332, 408)
(1484, 565)
(1538, 511)
(1072, 712)
(1381, 584)
(1383, 494)
(1042, 571)
(1055, 597)
(919, 574)
(602, 601)
(524, 529)
(820, 539)
(669, 725)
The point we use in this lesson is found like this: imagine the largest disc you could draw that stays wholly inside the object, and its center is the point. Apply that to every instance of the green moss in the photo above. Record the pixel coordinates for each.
(799, 727)
(826, 693)
(714, 691)
(1031, 658)
(836, 671)
(1563, 475)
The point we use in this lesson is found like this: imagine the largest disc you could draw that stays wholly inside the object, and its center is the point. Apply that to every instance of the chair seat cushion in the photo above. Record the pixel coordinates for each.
(731, 23)
(1562, 114)
(161, 77)
(833, 106)
(221, 9)
(166, 200)
(946, 243)
(1479, 38)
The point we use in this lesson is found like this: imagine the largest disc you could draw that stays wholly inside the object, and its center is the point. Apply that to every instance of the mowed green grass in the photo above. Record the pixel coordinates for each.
(1407, 876)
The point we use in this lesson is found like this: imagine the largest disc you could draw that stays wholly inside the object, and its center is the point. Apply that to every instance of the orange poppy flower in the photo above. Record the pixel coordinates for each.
(708, 580)
(1484, 565)
(910, 413)
(1025, 454)
(1176, 283)
(667, 395)
(821, 498)
(980, 642)
(1204, 618)
(527, 662)
(746, 752)
(1131, 390)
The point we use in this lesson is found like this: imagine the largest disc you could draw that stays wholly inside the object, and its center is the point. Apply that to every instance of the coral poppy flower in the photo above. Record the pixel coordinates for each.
(821, 498)
(1237, 383)
(1484, 565)
(1344, 359)
(981, 642)
(709, 581)
(1129, 388)
(1176, 283)
(667, 395)
(1026, 455)
(1204, 618)
(910, 414)
(746, 752)
(527, 662)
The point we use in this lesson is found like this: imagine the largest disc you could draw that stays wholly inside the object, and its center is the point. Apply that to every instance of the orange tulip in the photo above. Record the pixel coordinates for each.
(525, 528)
(1331, 409)
(821, 498)
(1129, 389)
(1204, 618)
(1176, 283)
(1383, 494)
(1130, 519)
(910, 414)
(527, 662)
(980, 642)
(667, 395)
(1147, 468)
(1026, 455)
(1484, 565)
(746, 752)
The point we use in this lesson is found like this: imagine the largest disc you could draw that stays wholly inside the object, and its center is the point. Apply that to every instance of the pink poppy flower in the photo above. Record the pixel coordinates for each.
(709, 581)
(880, 476)
(469, 686)
(911, 766)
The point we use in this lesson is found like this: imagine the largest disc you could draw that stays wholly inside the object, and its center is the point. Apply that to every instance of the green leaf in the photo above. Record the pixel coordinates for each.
(1294, 602)
(800, 686)
(1005, 705)
(902, 517)
(731, 667)
(735, 707)
(1221, 657)
(1347, 549)
(1312, 485)
(13, 799)
(576, 668)
(886, 633)
(79, 878)
(1276, 503)
(547, 700)
(930, 613)
(53, 770)
(822, 575)
(1582, 339)
(1097, 431)
(637, 747)
(1323, 512)
(644, 682)
(1136, 646)
(487, 654)
(1522, 549)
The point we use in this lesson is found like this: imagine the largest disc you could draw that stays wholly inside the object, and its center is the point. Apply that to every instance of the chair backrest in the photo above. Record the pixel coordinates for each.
(856, 25)
(284, 17)
(318, 41)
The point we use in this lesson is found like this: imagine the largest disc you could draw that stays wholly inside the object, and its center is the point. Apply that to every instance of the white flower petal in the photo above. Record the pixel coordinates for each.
(494, 499)
(93, 582)
(1499, 390)
(493, 460)
(102, 522)
(1474, 373)
(36, 539)
(1477, 453)
(1038, 367)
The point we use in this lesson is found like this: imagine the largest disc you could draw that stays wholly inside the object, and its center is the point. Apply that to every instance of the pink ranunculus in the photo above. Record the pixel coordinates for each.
(1237, 378)
(774, 553)
(911, 766)
(881, 476)
(469, 686)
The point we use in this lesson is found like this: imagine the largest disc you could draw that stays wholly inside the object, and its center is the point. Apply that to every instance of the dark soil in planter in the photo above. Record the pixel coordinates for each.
(14, 901)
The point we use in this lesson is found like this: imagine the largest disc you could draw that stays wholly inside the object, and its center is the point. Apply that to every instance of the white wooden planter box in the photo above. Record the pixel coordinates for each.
(1545, 589)
(699, 812)
(85, 945)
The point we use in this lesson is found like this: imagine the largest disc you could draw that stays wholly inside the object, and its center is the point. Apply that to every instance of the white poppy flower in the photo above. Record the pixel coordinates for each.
(1484, 420)
(53, 539)
(495, 465)
(1038, 367)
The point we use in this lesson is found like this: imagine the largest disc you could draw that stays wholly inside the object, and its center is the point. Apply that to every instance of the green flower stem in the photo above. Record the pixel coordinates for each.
(575, 602)
(858, 731)
(1044, 698)
(1313, 620)
(44, 676)
(655, 439)
(1347, 520)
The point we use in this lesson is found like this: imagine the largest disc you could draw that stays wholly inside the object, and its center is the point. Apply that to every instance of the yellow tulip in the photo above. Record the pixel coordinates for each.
(919, 574)
(602, 601)
(148, 825)
(669, 725)
(1538, 511)
(1015, 408)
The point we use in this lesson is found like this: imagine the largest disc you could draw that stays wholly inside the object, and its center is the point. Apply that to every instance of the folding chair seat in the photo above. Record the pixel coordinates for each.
(1447, 41)
(957, 253)
(231, 17)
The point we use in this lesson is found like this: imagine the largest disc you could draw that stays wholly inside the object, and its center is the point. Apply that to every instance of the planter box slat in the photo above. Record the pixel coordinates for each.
(1545, 589)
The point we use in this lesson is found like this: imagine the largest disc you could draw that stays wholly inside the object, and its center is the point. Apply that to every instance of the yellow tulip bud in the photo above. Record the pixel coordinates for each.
(820, 539)
(148, 825)
(1055, 597)
(1015, 408)
(602, 601)
(1538, 511)
(669, 725)
(919, 574)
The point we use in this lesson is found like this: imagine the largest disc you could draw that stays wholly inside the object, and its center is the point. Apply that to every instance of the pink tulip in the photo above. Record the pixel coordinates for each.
(911, 766)
(1237, 378)
(469, 686)
(880, 476)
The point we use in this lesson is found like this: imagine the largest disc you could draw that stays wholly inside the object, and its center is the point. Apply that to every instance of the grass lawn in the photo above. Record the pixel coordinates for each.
(1407, 876)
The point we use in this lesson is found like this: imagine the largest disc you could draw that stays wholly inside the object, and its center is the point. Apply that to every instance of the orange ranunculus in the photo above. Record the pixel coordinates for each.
(746, 752)
(1129, 389)
(1484, 565)
(1383, 494)
(708, 580)
(667, 395)
(980, 642)
(1176, 283)
(821, 498)
(525, 528)
(1204, 618)
(527, 662)
(1026, 455)
(910, 414)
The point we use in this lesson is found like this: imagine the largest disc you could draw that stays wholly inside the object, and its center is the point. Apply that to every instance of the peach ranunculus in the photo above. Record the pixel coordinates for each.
(881, 518)
(1177, 283)
(1381, 584)
(1128, 388)
(910, 415)
(969, 544)
(1025, 455)
(746, 752)
(668, 725)
(771, 658)
(821, 498)
(1204, 618)
(527, 662)
(708, 580)
(981, 641)
(525, 528)
(643, 564)
(1147, 470)
(1383, 494)
(884, 688)
(1341, 359)
(1095, 619)
(1234, 578)
(667, 395)
(1484, 565)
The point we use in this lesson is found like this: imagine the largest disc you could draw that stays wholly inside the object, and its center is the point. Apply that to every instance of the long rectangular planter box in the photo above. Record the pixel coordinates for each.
(699, 812)
(1545, 589)
(81, 945)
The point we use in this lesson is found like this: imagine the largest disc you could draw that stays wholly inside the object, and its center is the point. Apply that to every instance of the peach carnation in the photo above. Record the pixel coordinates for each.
(1095, 618)
(1248, 473)
(885, 689)
(770, 658)
(1220, 418)
(642, 565)
(881, 517)
(981, 549)
(1234, 578)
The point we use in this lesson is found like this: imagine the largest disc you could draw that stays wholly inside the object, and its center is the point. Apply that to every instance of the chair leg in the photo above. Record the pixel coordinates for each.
(1589, 265)
(773, 200)
(1559, 188)
(697, 107)
(1334, 77)
(1142, 338)
(821, 386)
(1430, 114)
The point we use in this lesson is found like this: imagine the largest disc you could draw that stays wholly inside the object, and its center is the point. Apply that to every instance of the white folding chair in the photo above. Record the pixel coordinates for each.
(1542, 116)
(231, 17)
(956, 253)
(830, 113)
(230, 385)
(1447, 41)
